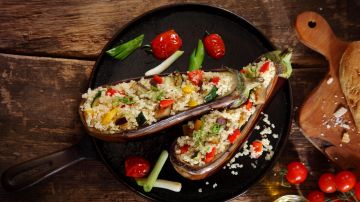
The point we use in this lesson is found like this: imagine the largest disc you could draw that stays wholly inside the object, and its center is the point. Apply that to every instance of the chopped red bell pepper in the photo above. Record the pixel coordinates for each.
(184, 149)
(166, 103)
(243, 71)
(215, 80)
(158, 79)
(265, 67)
(257, 145)
(248, 104)
(210, 155)
(196, 77)
(111, 91)
(234, 136)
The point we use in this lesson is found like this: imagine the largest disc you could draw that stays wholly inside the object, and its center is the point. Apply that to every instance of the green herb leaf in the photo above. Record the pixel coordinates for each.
(115, 103)
(153, 88)
(212, 94)
(160, 95)
(125, 100)
(122, 51)
(197, 57)
(215, 129)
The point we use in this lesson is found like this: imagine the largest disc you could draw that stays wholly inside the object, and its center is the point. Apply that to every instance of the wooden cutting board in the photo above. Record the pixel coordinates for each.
(316, 118)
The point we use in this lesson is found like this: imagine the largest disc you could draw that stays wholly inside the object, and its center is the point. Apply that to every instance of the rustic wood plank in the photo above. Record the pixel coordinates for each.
(38, 115)
(39, 100)
(79, 30)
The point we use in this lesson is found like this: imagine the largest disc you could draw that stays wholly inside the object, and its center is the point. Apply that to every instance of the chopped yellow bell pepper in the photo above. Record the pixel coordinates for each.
(192, 103)
(187, 89)
(108, 117)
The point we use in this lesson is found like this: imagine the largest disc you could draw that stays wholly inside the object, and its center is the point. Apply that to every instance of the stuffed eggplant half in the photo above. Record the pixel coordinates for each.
(209, 141)
(137, 107)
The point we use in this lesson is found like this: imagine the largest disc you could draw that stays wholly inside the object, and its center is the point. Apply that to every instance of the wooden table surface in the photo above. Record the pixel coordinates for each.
(48, 48)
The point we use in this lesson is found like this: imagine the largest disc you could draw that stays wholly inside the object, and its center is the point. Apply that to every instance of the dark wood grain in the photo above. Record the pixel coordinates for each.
(75, 29)
(39, 93)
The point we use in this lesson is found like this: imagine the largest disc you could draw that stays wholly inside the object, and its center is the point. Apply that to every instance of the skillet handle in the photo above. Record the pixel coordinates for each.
(29, 173)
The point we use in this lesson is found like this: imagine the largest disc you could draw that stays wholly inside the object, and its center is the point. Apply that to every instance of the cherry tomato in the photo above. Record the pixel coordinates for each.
(327, 183)
(214, 46)
(165, 44)
(210, 155)
(265, 67)
(215, 80)
(166, 103)
(296, 173)
(136, 166)
(257, 145)
(196, 77)
(316, 196)
(357, 190)
(345, 181)
(234, 136)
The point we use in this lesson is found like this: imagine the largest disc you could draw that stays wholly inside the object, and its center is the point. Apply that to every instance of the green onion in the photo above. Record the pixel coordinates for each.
(150, 181)
(126, 100)
(197, 57)
(165, 64)
(123, 50)
(211, 95)
(159, 183)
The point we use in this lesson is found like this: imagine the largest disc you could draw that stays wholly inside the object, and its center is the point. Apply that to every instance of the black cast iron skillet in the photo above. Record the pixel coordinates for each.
(244, 43)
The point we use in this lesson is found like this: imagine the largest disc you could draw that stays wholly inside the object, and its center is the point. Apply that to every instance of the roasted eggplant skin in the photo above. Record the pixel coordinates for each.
(146, 130)
(282, 61)
(201, 172)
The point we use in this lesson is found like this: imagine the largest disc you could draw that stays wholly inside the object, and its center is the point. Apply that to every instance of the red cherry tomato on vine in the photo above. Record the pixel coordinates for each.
(345, 181)
(136, 166)
(327, 183)
(296, 173)
(214, 46)
(357, 190)
(165, 44)
(316, 196)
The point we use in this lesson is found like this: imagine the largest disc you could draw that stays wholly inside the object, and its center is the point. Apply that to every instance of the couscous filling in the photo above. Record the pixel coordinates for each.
(214, 132)
(128, 105)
